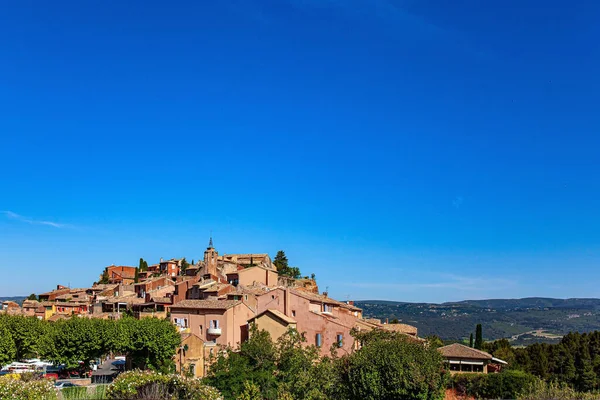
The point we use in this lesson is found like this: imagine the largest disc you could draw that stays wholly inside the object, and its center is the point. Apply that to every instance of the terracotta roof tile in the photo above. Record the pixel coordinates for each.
(207, 304)
(457, 350)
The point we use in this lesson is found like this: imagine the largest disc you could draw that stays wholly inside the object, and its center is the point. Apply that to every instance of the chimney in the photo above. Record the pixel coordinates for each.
(325, 294)
(351, 302)
(387, 321)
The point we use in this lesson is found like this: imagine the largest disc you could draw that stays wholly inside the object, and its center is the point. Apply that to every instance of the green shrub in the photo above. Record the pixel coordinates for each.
(391, 366)
(541, 390)
(505, 385)
(152, 385)
(31, 390)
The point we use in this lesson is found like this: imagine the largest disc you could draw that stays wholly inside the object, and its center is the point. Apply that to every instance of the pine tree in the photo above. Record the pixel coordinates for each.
(471, 340)
(280, 261)
(136, 278)
(478, 337)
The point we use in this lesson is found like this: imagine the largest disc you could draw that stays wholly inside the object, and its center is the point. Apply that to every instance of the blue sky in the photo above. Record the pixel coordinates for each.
(403, 150)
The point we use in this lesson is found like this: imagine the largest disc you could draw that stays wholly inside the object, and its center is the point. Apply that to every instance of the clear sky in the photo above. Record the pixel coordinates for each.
(426, 150)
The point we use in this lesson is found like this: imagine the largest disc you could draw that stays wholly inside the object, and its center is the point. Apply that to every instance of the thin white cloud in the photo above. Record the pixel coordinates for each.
(31, 221)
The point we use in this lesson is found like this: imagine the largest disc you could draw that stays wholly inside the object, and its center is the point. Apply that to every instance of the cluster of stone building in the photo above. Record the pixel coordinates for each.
(212, 303)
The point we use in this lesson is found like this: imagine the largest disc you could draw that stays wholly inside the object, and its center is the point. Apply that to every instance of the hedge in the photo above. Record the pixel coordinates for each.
(505, 385)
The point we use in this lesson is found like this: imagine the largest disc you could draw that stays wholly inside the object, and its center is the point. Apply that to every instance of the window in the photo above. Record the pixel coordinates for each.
(318, 342)
(201, 329)
(339, 339)
(293, 313)
(327, 308)
(246, 297)
(214, 324)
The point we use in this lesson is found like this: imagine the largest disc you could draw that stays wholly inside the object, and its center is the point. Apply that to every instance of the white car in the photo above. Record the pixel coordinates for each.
(62, 385)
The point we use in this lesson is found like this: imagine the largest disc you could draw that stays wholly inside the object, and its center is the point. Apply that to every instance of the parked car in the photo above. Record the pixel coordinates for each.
(62, 385)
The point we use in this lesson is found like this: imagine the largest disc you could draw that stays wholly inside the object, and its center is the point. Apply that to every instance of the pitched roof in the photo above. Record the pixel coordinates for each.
(162, 300)
(128, 300)
(278, 314)
(323, 299)
(457, 350)
(402, 328)
(206, 304)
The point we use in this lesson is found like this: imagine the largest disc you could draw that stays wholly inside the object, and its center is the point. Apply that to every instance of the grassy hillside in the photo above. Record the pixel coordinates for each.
(522, 320)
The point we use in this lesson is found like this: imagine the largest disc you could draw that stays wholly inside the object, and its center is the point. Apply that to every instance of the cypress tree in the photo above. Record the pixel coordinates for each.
(471, 340)
(478, 337)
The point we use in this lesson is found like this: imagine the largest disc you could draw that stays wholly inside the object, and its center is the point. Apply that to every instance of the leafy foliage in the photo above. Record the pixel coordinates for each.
(286, 369)
(283, 269)
(540, 390)
(150, 342)
(8, 349)
(184, 265)
(506, 385)
(392, 366)
(31, 390)
(140, 384)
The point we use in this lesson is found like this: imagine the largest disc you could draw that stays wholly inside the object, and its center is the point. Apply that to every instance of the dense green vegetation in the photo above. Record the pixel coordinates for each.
(149, 342)
(574, 361)
(499, 318)
(151, 385)
(506, 385)
(281, 263)
(388, 365)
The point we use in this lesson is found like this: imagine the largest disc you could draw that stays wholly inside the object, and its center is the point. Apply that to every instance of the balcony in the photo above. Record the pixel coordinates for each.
(214, 331)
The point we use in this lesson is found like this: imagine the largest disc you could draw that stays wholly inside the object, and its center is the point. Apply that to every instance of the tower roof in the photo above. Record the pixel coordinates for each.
(210, 244)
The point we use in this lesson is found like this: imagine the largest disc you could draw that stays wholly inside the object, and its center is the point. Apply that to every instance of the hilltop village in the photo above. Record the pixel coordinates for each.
(212, 304)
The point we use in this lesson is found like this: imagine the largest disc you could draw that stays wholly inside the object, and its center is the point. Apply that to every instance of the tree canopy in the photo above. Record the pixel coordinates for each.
(387, 366)
(150, 342)
(281, 263)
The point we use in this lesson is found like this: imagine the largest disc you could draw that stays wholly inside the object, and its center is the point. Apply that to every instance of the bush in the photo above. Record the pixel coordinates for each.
(152, 385)
(391, 366)
(541, 390)
(32, 390)
(505, 385)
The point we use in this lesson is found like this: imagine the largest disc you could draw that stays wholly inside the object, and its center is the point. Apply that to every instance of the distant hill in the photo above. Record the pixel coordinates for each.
(16, 299)
(533, 319)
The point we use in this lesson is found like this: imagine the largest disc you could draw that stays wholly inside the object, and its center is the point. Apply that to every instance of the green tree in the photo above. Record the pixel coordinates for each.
(150, 342)
(136, 277)
(251, 392)
(280, 261)
(283, 269)
(104, 277)
(8, 350)
(471, 340)
(435, 341)
(32, 296)
(25, 332)
(391, 366)
(478, 337)
(184, 265)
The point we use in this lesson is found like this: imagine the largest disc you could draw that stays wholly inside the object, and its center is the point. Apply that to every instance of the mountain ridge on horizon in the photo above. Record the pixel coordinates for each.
(523, 321)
